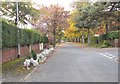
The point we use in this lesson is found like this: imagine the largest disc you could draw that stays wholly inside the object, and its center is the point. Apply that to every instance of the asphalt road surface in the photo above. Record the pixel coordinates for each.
(71, 63)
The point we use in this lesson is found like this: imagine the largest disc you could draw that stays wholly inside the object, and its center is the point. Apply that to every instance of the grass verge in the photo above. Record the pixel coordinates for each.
(15, 68)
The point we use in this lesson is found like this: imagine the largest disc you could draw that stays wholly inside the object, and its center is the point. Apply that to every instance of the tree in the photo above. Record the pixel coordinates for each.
(107, 12)
(85, 20)
(53, 20)
(26, 11)
(91, 15)
(72, 32)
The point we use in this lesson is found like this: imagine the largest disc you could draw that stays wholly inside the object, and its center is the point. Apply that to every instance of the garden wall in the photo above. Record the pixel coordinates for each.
(9, 54)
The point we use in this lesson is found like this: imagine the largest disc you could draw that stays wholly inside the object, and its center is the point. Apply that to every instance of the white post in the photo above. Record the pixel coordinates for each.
(30, 48)
(42, 46)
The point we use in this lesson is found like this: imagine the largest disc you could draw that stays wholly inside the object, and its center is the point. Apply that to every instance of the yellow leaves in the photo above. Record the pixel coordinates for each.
(71, 32)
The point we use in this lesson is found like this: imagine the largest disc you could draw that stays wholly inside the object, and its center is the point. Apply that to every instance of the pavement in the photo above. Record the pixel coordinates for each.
(72, 63)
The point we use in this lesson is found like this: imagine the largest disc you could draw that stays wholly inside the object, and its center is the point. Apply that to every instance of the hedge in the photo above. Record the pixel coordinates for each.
(110, 36)
(93, 40)
(10, 37)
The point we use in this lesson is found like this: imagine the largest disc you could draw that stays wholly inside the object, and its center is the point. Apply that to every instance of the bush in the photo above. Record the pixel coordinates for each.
(105, 42)
(113, 35)
(104, 46)
(45, 40)
(34, 55)
(93, 40)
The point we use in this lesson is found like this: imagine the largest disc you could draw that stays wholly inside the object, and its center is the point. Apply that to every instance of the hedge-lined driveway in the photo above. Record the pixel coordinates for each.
(71, 63)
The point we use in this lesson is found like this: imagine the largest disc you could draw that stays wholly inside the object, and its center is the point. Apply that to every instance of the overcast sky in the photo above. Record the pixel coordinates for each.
(63, 3)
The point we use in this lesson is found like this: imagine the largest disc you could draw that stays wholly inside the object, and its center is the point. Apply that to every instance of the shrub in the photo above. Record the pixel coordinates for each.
(93, 40)
(113, 35)
(34, 55)
(104, 46)
(45, 40)
(105, 42)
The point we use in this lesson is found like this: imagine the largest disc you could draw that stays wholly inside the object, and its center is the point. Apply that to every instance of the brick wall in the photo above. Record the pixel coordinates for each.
(11, 53)
(35, 47)
(24, 50)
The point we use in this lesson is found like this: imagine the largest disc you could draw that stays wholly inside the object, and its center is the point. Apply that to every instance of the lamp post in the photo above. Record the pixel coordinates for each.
(17, 19)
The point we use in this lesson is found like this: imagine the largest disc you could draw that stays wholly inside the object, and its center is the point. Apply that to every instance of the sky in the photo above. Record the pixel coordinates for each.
(63, 3)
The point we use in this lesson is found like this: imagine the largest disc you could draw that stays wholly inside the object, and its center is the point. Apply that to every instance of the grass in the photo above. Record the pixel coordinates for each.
(85, 45)
(13, 63)
(101, 45)
(59, 44)
(15, 68)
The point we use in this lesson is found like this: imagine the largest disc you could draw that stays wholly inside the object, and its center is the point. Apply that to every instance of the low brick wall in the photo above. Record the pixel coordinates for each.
(24, 50)
(9, 54)
(35, 47)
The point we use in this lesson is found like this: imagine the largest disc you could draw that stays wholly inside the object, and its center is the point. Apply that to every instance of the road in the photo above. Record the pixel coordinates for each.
(71, 63)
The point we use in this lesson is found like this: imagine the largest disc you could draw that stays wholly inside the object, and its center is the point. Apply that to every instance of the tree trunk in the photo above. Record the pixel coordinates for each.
(83, 38)
(88, 36)
(54, 38)
(78, 39)
(106, 25)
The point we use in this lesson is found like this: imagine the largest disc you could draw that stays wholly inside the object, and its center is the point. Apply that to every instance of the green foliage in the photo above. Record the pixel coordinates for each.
(103, 37)
(106, 42)
(0, 33)
(103, 46)
(111, 35)
(25, 9)
(10, 37)
(29, 37)
(93, 40)
(45, 40)
(34, 55)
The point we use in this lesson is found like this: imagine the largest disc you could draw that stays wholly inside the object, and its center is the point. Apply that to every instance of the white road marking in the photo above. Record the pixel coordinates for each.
(106, 55)
(110, 56)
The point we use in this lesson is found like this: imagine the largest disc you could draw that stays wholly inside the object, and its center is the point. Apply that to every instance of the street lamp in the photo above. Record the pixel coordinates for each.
(17, 19)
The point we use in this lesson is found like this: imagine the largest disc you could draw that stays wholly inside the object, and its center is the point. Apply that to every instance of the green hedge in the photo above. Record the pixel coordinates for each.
(10, 37)
(106, 39)
(45, 40)
(113, 35)
(93, 40)
(110, 36)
